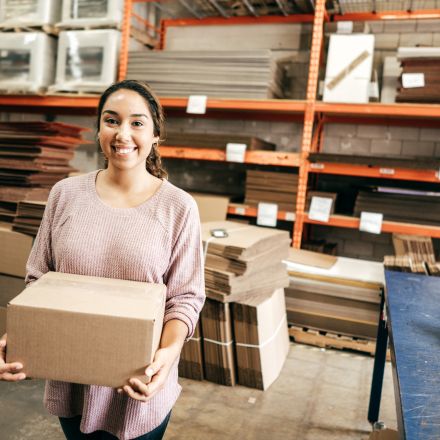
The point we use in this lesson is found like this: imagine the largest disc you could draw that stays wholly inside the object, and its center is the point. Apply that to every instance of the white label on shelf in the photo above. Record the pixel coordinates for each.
(267, 214)
(239, 210)
(320, 208)
(344, 27)
(371, 222)
(317, 166)
(387, 171)
(413, 80)
(235, 152)
(290, 216)
(197, 104)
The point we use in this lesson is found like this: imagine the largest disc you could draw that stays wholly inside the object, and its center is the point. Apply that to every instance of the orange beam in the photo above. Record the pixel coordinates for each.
(431, 111)
(252, 211)
(343, 221)
(419, 175)
(254, 157)
(125, 40)
(389, 15)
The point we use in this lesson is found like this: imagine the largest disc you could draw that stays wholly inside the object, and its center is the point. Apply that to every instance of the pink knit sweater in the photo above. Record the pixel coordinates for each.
(158, 241)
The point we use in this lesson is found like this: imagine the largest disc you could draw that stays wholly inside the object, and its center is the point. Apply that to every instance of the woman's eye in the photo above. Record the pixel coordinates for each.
(138, 124)
(111, 121)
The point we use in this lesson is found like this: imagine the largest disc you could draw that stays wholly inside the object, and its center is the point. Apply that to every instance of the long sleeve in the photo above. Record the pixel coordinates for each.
(185, 274)
(40, 259)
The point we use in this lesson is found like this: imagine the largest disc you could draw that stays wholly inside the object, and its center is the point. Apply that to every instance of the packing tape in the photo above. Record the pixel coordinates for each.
(225, 344)
(280, 326)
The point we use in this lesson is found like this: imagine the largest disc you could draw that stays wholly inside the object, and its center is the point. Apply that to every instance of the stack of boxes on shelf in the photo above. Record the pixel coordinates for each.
(79, 60)
(243, 334)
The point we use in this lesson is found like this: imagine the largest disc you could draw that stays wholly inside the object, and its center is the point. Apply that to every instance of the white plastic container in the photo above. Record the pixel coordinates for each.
(16, 13)
(27, 61)
(91, 13)
(87, 60)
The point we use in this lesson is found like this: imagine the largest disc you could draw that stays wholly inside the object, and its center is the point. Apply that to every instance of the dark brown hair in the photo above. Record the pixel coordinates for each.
(154, 162)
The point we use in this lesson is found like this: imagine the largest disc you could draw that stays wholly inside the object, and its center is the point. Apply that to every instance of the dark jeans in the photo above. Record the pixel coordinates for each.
(71, 430)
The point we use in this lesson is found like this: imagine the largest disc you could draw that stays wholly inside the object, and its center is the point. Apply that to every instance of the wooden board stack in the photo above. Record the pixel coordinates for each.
(420, 79)
(272, 187)
(216, 141)
(224, 74)
(33, 157)
(400, 204)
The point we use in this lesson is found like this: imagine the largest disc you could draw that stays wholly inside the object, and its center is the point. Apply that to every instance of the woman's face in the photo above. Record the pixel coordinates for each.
(126, 130)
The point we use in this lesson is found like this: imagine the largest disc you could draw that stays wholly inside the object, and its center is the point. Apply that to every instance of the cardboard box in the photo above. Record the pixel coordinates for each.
(191, 357)
(85, 330)
(211, 207)
(10, 287)
(2, 321)
(261, 338)
(15, 251)
(385, 434)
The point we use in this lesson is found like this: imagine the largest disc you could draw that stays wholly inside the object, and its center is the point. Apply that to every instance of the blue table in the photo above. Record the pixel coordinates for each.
(413, 323)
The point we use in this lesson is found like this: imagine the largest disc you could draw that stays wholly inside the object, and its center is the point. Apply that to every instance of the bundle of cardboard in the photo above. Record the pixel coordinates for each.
(220, 73)
(420, 79)
(217, 141)
(272, 187)
(33, 157)
(335, 294)
(400, 204)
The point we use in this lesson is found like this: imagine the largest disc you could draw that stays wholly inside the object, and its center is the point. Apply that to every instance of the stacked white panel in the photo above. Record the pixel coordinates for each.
(87, 60)
(16, 13)
(92, 13)
(27, 61)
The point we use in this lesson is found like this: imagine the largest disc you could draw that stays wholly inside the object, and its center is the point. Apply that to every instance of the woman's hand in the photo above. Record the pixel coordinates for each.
(9, 372)
(158, 370)
(173, 335)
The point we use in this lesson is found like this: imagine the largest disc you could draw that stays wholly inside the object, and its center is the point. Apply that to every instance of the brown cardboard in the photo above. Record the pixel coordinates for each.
(310, 258)
(15, 250)
(261, 338)
(2, 321)
(211, 207)
(191, 357)
(85, 330)
(10, 287)
(385, 434)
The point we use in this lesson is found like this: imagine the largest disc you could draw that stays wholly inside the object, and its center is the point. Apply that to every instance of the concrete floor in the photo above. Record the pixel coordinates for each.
(320, 394)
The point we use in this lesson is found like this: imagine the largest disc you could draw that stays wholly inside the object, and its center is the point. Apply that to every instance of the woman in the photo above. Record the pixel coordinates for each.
(125, 222)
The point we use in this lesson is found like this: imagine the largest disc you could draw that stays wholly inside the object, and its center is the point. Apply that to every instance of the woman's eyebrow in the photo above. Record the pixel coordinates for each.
(134, 115)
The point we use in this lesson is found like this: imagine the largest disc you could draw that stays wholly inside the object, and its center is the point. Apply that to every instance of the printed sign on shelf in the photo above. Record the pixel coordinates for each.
(235, 152)
(267, 214)
(197, 104)
(320, 208)
(371, 222)
(344, 27)
(413, 80)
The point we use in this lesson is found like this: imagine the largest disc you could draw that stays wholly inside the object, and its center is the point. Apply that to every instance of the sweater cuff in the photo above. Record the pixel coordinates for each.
(181, 317)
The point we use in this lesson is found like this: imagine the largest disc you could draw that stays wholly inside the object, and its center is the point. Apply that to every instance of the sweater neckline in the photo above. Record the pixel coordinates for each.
(122, 211)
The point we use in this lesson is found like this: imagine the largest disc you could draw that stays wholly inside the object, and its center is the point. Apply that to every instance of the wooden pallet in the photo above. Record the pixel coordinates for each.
(331, 340)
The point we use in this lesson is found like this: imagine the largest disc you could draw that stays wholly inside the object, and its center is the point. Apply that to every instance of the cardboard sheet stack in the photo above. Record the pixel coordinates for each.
(420, 80)
(272, 187)
(335, 294)
(400, 204)
(243, 265)
(225, 74)
(216, 141)
(33, 157)
(191, 357)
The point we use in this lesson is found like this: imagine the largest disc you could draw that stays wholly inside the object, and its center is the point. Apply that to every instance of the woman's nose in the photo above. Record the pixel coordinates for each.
(123, 132)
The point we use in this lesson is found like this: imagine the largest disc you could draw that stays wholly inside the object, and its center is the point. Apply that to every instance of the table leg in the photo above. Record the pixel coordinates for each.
(379, 365)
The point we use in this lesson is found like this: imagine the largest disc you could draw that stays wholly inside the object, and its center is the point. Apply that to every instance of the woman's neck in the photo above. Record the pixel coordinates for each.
(133, 180)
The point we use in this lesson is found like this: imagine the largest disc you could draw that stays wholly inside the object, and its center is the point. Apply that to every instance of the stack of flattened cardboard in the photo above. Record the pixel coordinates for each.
(261, 338)
(29, 216)
(400, 204)
(191, 357)
(272, 187)
(420, 79)
(243, 260)
(225, 74)
(335, 294)
(218, 349)
(217, 141)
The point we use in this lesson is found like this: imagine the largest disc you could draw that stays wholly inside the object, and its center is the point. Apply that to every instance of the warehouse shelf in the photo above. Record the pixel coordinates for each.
(252, 211)
(251, 157)
(343, 221)
(347, 169)
(389, 15)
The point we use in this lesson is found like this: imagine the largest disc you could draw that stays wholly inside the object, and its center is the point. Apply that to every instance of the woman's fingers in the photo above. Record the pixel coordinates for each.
(134, 394)
(13, 377)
